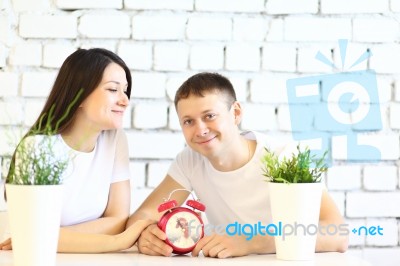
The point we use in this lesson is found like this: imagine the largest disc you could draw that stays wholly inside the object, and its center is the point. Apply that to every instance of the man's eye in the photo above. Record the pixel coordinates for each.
(187, 122)
(210, 116)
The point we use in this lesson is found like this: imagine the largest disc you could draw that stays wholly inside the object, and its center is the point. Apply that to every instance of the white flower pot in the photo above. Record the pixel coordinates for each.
(34, 216)
(296, 208)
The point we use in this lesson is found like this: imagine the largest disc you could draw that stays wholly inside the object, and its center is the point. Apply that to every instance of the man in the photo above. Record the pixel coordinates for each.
(222, 166)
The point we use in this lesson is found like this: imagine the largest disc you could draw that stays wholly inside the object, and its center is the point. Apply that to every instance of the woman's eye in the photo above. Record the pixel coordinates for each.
(112, 90)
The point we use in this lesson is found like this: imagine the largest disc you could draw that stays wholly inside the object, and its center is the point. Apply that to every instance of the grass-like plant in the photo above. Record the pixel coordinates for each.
(301, 167)
(36, 160)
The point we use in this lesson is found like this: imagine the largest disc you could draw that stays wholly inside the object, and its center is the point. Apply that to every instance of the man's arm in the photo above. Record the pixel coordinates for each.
(151, 241)
(330, 215)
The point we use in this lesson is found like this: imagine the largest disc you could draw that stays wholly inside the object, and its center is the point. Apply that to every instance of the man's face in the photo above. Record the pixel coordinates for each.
(208, 123)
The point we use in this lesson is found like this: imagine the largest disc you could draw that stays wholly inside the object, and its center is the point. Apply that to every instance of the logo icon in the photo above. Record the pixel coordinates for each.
(339, 105)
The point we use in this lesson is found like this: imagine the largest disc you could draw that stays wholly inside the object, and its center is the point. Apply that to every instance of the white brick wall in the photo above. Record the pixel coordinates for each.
(162, 27)
(257, 44)
(105, 25)
(373, 204)
(353, 6)
(382, 177)
(81, 4)
(47, 26)
(137, 55)
(26, 54)
(9, 84)
(292, 7)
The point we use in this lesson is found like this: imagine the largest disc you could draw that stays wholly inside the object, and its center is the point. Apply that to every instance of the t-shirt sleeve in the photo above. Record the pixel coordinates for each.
(121, 160)
(182, 168)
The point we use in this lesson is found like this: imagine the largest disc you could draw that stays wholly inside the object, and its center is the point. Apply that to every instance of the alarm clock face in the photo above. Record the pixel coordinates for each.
(184, 229)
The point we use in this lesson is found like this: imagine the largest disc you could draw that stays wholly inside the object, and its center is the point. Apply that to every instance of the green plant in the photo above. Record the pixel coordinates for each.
(36, 160)
(299, 168)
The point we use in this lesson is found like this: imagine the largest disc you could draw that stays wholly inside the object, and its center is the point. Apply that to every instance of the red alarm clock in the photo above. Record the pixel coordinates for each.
(183, 226)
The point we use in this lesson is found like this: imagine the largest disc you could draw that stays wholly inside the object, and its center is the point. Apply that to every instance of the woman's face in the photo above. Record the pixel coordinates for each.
(103, 109)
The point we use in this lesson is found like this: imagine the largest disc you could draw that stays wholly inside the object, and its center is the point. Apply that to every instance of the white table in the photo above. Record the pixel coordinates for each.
(132, 258)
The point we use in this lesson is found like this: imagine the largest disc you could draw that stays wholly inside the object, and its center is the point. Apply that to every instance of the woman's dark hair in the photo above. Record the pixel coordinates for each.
(79, 75)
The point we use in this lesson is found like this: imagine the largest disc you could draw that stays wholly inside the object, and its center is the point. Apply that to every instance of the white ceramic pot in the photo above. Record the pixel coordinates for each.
(34, 218)
(295, 210)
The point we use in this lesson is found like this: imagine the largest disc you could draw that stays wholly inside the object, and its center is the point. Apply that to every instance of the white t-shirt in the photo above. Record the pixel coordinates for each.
(88, 176)
(236, 196)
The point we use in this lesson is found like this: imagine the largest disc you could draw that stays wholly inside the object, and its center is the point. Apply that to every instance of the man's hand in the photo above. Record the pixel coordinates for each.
(6, 244)
(222, 246)
(151, 242)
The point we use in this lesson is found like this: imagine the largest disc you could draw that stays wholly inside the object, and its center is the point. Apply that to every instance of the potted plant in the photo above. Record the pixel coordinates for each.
(295, 194)
(34, 196)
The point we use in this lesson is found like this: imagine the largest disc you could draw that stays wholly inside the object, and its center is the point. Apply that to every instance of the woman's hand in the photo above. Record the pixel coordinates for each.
(6, 244)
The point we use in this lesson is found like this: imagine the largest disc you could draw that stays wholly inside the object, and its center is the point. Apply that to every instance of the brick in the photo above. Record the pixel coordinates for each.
(2, 56)
(11, 111)
(340, 200)
(382, 256)
(173, 120)
(241, 26)
(139, 143)
(47, 26)
(37, 84)
(275, 30)
(218, 28)
(284, 117)
(159, 27)
(150, 115)
(355, 239)
(353, 52)
(172, 85)
(268, 89)
(240, 85)
(344, 177)
(230, 6)
(385, 86)
(390, 233)
(106, 44)
(353, 6)
(307, 63)
(387, 144)
(259, 117)
(29, 6)
(138, 56)
(9, 84)
(26, 54)
(311, 29)
(279, 57)
(386, 30)
(54, 54)
(5, 28)
(372, 204)
(395, 5)
(148, 85)
(383, 177)
(386, 58)
(138, 174)
(171, 56)
(397, 91)
(88, 4)
(207, 57)
(394, 111)
(105, 25)
(242, 57)
(138, 195)
(32, 111)
(159, 4)
(157, 172)
(292, 7)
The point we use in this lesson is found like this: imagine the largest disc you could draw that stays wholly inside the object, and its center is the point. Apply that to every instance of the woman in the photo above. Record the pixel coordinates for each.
(87, 103)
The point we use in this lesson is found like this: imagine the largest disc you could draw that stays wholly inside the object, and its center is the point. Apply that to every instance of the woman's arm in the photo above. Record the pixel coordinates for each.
(115, 216)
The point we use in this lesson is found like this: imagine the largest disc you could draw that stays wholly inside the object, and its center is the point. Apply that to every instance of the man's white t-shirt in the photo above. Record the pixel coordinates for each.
(236, 196)
(88, 176)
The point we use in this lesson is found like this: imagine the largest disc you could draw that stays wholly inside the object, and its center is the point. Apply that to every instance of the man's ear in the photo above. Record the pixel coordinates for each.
(237, 112)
